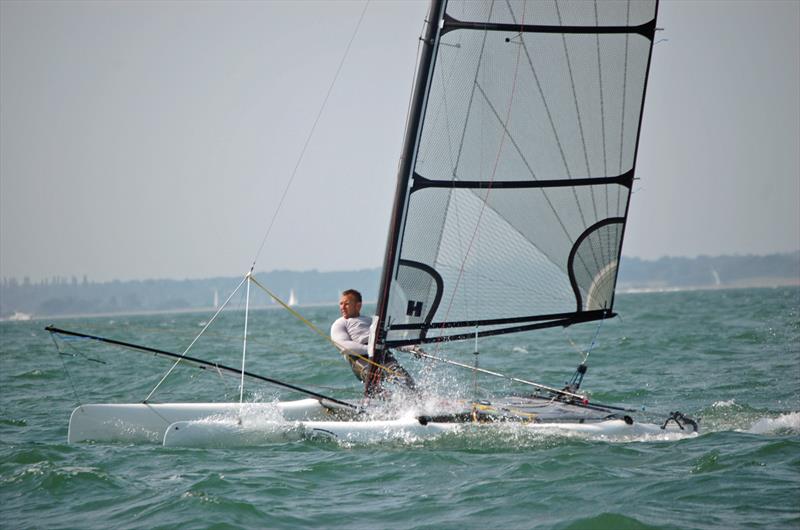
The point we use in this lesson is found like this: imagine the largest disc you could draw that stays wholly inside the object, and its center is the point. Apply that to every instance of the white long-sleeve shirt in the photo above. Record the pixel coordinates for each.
(352, 334)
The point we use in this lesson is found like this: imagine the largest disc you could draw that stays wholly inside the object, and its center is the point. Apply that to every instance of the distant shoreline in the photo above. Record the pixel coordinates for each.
(211, 310)
(670, 289)
(72, 298)
(155, 312)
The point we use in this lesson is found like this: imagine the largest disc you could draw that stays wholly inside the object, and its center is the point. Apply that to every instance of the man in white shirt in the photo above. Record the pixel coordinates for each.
(350, 332)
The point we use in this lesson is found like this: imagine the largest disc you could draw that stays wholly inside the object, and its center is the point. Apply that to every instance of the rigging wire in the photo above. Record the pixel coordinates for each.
(244, 345)
(75, 351)
(555, 391)
(582, 137)
(413, 78)
(69, 376)
(310, 135)
(197, 362)
(592, 344)
(345, 352)
(490, 182)
(211, 320)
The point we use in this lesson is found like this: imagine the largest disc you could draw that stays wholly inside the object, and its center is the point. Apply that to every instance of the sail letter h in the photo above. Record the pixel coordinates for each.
(414, 309)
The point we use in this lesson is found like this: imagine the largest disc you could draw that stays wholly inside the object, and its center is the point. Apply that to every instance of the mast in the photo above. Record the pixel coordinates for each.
(421, 88)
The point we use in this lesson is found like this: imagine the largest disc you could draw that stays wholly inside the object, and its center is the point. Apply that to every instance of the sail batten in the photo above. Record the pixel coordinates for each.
(516, 196)
(625, 179)
(597, 314)
(646, 30)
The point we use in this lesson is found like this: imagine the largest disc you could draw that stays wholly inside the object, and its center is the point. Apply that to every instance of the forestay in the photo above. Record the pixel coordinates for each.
(520, 155)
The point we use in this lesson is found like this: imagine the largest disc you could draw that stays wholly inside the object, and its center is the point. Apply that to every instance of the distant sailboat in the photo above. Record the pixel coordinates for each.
(292, 299)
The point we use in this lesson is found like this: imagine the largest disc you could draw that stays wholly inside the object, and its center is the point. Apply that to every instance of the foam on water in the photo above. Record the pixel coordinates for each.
(788, 423)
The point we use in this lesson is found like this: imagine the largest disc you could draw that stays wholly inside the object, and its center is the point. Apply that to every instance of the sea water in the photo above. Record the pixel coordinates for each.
(728, 357)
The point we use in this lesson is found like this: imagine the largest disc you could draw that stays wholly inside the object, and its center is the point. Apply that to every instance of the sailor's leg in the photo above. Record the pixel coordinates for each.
(398, 373)
(359, 366)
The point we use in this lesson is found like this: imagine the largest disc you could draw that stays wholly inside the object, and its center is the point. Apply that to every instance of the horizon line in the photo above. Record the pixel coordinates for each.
(84, 278)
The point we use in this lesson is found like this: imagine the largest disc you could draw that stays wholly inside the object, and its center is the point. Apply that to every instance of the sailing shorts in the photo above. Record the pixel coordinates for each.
(398, 374)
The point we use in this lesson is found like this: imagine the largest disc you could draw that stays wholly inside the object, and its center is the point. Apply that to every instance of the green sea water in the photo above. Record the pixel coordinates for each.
(730, 357)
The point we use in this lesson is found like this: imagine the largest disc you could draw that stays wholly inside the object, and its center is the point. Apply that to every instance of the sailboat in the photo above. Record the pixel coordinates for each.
(510, 209)
(292, 299)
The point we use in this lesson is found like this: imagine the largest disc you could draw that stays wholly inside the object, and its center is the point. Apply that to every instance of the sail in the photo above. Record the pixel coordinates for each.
(513, 192)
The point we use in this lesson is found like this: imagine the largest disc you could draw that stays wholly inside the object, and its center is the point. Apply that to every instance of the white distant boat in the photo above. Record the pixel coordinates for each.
(19, 316)
(510, 209)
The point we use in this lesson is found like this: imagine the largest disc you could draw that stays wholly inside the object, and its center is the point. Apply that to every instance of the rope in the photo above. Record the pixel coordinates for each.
(555, 391)
(310, 134)
(344, 351)
(592, 344)
(69, 377)
(491, 181)
(594, 339)
(244, 343)
(210, 321)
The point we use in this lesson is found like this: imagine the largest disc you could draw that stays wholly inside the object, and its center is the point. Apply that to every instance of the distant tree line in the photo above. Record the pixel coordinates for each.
(71, 296)
(707, 271)
(62, 296)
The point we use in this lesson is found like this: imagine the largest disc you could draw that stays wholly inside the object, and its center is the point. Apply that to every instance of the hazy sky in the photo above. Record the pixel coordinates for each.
(154, 139)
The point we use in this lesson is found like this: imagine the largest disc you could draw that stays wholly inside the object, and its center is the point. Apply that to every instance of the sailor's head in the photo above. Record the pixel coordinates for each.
(350, 303)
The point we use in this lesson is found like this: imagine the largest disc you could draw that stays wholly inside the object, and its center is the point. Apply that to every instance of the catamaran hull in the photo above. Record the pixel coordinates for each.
(233, 434)
(232, 424)
(142, 422)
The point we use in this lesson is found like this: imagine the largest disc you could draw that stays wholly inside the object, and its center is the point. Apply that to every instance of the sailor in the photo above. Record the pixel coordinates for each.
(350, 333)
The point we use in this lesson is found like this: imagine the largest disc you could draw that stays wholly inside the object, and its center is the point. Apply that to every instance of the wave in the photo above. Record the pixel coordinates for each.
(788, 423)
(614, 521)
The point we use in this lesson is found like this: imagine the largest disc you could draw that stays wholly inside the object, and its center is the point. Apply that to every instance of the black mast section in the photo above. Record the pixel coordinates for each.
(408, 158)
(410, 143)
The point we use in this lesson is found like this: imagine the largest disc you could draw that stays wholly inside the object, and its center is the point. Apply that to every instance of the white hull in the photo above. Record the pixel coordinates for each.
(230, 433)
(139, 422)
(230, 424)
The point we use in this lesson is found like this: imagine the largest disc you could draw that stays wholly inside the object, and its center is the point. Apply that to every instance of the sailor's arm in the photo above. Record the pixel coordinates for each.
(341, 337)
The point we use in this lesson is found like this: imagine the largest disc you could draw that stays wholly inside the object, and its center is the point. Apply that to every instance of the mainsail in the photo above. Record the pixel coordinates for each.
(519, 157)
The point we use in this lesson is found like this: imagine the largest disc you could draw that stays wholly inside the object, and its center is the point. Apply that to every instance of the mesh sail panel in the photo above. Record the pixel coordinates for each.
(519, 190)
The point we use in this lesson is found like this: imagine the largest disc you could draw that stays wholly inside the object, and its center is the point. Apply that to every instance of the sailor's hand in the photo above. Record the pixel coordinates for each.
(414, 349)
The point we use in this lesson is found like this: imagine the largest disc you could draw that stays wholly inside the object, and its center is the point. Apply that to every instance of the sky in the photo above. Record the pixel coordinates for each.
(155, 139)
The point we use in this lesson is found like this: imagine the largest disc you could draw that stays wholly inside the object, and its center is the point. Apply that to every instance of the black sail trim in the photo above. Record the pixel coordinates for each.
(592, 315)
(635, 150)
(585, 316)
(574, 251)
(436, 300)
(420, 182)
(646, 30)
